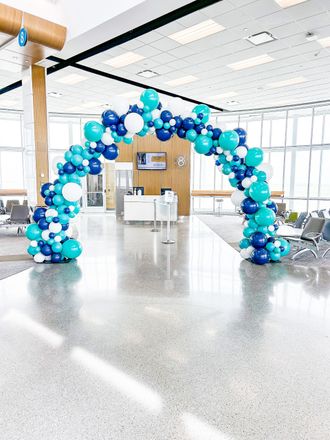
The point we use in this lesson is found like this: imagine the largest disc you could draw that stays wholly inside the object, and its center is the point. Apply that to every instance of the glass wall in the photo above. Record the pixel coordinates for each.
(297, 144)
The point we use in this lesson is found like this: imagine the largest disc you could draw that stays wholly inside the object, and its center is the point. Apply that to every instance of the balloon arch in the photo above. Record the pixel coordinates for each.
(51, 235)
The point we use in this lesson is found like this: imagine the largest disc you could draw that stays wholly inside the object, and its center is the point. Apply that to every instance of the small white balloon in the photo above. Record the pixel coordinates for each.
(39, 257)
(172, 122)
(237, 197)
(219, 150)
(107, 139)
(93, 144)
(108, 130)
(71, 208)
(229, 157)
(48, 258)
(254, 178)
(246, 182)
(133, 123)
(204, 131)
(51, 188)
(277, 243)
(58, 238)
(271, 228)
(34, 243)
(55, 227)
(45, 235)
(226, 153)
(120, 105)
(85, 162)
(72, 191)
(51, 213)
(241, 152)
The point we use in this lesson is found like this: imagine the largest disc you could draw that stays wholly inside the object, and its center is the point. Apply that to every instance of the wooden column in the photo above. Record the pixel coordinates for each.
(38, 76)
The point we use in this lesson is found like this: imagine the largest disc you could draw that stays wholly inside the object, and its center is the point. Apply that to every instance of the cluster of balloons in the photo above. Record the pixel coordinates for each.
(51, 236)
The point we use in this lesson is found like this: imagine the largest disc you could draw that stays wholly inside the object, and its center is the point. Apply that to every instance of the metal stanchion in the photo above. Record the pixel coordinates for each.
(154, 229)
(168, 226)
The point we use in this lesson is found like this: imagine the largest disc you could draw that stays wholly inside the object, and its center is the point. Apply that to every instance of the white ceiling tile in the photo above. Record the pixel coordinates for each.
(165, 44)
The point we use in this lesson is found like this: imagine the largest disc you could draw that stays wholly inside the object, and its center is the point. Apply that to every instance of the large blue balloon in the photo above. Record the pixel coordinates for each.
(44, 188)
(111, 152)
(68, 168)
(109, 117)
(43, 224)
(260, 256)
(46, 250)
(99, 147)
(249, 206)
(242, 135)
(121, 130)
(188, 123)
(273, 206)
(258, 240)
(38, 214)
(95, 166)
(163, 134)
(166, 116)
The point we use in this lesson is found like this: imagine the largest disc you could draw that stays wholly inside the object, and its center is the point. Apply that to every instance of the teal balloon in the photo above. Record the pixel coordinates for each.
(233, 182)
(205, 110)
(58, 188)
(247, 232)
(222, 158)
(226, 169)
(87, 155)
(64, 219)
(93, 131)
(158, 123)
(274, 256)
(203, 144)
(33, 232)
(262, 176)
(128, 140)
(259, 191)
(286, 245)
(244, 243)
(147, 116)
(229, 140)
(265, 216)
(74, 178)
(254, 157)
(71, 249)
(191, 135)
(150, 98)
(63, 178)
(270, 247)
(67, 156)
(58, 200)
(76, 159)
(252, 223)
(33, 250)
(57, 247)
(76, 149)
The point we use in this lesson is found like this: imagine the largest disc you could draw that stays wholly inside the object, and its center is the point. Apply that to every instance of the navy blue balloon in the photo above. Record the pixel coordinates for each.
(181, 133)
(65, 227)
(159, 106)
(121, 130)
(240, 186)
(56, 258)
(111, 152)
(150, 124)
(95, 166)
(178, 121)
(273, 206)
(52, 235)
(41, 243)
(249, 172)
(48, 201)
(66, 210)
(166, 116)
(109, 117)
(43, 224)
(240, 174)
(122, 118)
(52, 193)
(213, 150)
(172, 129)
(242, 135)
(271, 239)
(46, 250)
(236, 158)
(234, 168)
(99, 147)
(134, 108)
(80, 167)
(209, 127)
(163, 134)
(258, 240)
(38, 214)
(208, 154)
(249, 206)
(44, 188)
(199, 127)
(216, 134)
(68, 168)
(188, 123)
(260, 256)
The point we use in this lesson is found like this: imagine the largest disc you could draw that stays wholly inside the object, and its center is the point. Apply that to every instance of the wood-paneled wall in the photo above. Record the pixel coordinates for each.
(177, 178)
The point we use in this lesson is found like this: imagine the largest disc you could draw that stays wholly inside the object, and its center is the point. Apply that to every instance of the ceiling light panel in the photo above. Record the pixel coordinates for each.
(260, 38)
(183, 80)
(196, 32)
(124, 59)
(147, 73)
(287, 82)
(251, 62)
(324, 42)
(288, 3)
(73, 78)
(223, 95)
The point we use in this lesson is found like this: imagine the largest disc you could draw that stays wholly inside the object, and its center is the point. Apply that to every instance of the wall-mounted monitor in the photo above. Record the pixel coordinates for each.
(151, 161)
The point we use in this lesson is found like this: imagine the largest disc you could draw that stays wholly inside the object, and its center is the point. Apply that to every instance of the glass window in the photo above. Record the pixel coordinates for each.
(315, 173)
(11, 167)
(325, 180)
(276, 160)
(59, 135)
(10, 130)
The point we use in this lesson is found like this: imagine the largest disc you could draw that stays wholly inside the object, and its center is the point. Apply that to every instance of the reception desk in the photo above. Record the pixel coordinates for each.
(141, 208)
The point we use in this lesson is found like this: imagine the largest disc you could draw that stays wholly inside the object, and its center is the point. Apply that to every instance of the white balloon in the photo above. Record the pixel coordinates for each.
(34, 243)
(45, 235)
(271, 228)
(48, 257)
(133, 122)
(51, 213)
(237, 197)
(176, 106)
(204, 131)
(107, 139)
(55, 227)
(253, 178)
(266, 168)
(39, 257)
(229, 157)
(120, 105)
(85, 162)
(172, 122)
(241, 152)
(72, 191)
(231, 175)
(155, 113)
(246, 182)
(246, 253)
(93, 144)
(219, 150)
(58, 238)
(277, 243)
(55, 161)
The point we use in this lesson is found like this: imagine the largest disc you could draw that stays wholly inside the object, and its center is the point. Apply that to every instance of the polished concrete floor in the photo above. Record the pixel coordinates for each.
(141, 340)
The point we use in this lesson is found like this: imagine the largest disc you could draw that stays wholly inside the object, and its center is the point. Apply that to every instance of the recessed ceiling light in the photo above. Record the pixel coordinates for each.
(288, 3)
(131, 94)
(196, 32)
(91, 104)
(232, 102)
(180, 81)
(260, 38)
(55, 94)
(71, 79)
(223, 95)
(147, 73)
(251, 62)
(287, 82)
(124, 60)
(324, 42)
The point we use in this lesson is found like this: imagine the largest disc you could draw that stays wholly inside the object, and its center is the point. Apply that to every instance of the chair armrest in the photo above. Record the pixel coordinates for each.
(315, 237)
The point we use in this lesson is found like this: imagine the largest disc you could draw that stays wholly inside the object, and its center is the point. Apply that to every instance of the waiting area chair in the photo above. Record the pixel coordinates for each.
(19, 218)
(326, 236)
(10, 204)
(310, 238)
